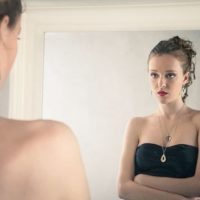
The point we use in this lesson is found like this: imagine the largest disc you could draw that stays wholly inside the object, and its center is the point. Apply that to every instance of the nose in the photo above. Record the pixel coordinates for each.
(162, 82)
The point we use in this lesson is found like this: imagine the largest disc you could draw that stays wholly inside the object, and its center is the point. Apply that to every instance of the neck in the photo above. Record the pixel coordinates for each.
(170, 110)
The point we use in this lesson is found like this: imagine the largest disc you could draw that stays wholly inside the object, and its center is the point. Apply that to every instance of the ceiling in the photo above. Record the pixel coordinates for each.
(113, 2)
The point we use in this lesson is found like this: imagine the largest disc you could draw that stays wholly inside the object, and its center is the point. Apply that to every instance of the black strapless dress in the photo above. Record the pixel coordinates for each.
(181, 160)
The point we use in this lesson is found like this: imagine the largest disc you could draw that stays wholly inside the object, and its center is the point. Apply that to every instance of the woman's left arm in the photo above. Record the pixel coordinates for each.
(184, 186)
(189, 187)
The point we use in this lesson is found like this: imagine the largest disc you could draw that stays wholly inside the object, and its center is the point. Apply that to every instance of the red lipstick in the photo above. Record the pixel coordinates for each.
(162, 93)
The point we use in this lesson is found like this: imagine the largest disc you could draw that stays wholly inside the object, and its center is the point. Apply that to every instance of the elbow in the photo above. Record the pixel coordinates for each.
(122, 190)
(198, 183)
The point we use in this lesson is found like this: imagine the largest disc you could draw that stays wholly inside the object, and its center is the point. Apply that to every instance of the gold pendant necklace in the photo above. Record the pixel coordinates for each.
(168, 137)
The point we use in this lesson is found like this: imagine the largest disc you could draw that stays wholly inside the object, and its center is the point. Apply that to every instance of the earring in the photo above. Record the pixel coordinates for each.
(183, 91)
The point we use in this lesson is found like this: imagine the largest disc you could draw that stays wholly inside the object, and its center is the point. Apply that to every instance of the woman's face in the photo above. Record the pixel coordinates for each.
(166, 78)
(8, 46)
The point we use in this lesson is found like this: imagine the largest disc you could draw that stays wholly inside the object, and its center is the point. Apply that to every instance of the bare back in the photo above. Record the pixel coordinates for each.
(40, 160)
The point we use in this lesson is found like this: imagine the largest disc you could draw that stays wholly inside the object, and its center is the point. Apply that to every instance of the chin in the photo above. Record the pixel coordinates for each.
(164, 100)
(168, 101)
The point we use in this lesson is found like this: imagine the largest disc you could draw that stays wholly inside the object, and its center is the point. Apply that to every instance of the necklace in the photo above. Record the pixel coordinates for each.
(168, 136)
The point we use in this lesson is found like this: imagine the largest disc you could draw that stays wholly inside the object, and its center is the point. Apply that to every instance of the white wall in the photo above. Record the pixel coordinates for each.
(95, 82)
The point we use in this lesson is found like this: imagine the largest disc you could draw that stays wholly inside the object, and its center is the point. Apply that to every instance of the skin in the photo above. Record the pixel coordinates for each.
(165, 73)
(8, 46)
(39, 159)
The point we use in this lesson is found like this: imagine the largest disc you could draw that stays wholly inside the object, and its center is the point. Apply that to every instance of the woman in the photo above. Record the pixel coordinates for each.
(38, 159)
(160, 157)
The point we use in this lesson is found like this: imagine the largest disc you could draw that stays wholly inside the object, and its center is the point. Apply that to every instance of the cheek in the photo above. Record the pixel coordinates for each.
(176, 86)
(152, 83)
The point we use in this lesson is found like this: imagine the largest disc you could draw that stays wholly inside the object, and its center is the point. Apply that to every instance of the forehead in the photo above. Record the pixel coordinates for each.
(164, 62)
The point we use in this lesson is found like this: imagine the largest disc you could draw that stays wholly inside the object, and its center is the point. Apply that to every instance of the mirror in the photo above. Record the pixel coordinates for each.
(95, 81)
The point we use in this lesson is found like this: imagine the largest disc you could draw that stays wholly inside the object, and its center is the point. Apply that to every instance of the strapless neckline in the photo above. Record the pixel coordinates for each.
(172, 146)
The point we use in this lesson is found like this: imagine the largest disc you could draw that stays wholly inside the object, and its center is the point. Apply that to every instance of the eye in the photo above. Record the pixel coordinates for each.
(154, 75)
(170, 75)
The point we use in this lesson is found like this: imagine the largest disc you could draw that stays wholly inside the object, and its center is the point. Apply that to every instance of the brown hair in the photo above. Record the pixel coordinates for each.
(183, 50)
(12, 9)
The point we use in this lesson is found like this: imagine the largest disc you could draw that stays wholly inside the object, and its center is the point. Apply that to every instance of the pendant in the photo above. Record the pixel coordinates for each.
(163, 158)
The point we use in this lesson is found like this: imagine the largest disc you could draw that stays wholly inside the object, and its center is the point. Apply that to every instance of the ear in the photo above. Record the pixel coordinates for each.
(4, 29)
(186, 78)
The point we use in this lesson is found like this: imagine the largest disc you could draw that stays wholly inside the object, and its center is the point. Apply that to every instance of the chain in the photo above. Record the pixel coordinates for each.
(168, 138)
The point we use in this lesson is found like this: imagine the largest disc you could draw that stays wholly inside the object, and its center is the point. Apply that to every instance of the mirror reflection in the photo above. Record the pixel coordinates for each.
(96, 82)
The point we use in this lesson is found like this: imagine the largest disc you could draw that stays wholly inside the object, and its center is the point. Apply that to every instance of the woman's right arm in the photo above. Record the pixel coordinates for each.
(127, 188)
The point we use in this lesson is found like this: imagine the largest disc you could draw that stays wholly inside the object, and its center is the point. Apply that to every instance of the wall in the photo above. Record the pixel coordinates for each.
(97, 81)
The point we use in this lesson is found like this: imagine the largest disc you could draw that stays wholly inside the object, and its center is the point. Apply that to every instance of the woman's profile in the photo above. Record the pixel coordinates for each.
(160, 157)
(40, 159)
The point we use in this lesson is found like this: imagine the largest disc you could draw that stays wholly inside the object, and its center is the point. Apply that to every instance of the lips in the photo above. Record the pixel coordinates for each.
(162, 93)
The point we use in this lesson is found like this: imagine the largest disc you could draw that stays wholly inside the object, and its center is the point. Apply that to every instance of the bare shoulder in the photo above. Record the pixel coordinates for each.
(55, 146)
(33, 132)
(47, 126)
(46, 155)
(50, 128)
(194, 115)
(50, 132)
(133, 128)
(49, 140)
(137, 122)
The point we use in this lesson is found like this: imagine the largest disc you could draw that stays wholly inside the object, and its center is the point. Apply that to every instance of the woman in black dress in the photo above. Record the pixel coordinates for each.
(160, 158)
